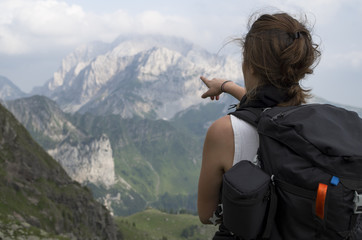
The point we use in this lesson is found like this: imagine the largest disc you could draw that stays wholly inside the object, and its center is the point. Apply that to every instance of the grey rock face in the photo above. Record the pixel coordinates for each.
(87, 162)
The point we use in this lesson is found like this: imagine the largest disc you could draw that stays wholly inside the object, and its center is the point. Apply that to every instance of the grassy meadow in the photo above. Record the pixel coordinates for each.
(154, 224)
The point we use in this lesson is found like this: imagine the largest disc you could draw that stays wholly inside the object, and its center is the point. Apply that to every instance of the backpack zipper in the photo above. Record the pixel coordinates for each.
(286, 113)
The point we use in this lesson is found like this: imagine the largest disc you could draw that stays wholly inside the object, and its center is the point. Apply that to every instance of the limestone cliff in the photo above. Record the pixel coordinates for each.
(87, 162)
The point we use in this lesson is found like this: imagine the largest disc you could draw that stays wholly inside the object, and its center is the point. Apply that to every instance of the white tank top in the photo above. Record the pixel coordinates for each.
(246, 140)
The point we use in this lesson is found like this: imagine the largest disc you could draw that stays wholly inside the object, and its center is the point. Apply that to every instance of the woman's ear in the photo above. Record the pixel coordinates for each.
(248, 68)
(251, 69)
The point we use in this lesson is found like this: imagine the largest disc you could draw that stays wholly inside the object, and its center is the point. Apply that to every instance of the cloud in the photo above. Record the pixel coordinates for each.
(28, 26)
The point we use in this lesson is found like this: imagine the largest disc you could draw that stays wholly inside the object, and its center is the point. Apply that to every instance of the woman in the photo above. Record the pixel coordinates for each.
(278, 52)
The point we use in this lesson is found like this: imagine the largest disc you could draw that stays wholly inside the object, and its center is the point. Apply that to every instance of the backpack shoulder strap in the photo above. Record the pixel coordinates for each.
(249, 115)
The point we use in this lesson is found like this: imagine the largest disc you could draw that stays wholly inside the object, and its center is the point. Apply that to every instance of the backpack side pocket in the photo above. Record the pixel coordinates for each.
(245, 194)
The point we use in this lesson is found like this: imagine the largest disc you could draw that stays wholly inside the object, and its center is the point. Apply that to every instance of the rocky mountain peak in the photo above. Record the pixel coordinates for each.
(8, 90)
(147, 76)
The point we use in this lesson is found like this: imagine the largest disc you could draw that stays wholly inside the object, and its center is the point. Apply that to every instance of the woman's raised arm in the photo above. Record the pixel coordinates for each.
(217, 86)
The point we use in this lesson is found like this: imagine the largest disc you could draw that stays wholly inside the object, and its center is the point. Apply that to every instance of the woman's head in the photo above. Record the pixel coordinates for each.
(279, 50)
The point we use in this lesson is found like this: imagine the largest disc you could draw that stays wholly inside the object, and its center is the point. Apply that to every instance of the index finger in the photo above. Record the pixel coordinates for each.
(204, 79)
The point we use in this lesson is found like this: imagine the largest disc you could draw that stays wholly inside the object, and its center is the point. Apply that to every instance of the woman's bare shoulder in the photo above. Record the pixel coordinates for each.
(221, 127)
(220, 134)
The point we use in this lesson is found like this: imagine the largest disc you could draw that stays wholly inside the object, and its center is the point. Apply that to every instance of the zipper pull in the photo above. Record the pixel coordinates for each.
(278, 116)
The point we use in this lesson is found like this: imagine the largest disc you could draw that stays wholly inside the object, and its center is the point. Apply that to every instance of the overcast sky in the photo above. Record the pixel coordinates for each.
(36, 34)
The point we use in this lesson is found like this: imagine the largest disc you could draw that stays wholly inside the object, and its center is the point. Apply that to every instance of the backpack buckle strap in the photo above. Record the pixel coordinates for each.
(217, 215)
(357, 202)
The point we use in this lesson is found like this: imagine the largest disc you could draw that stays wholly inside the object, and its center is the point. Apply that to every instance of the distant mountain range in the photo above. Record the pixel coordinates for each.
(102, 116)
(127, 120)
